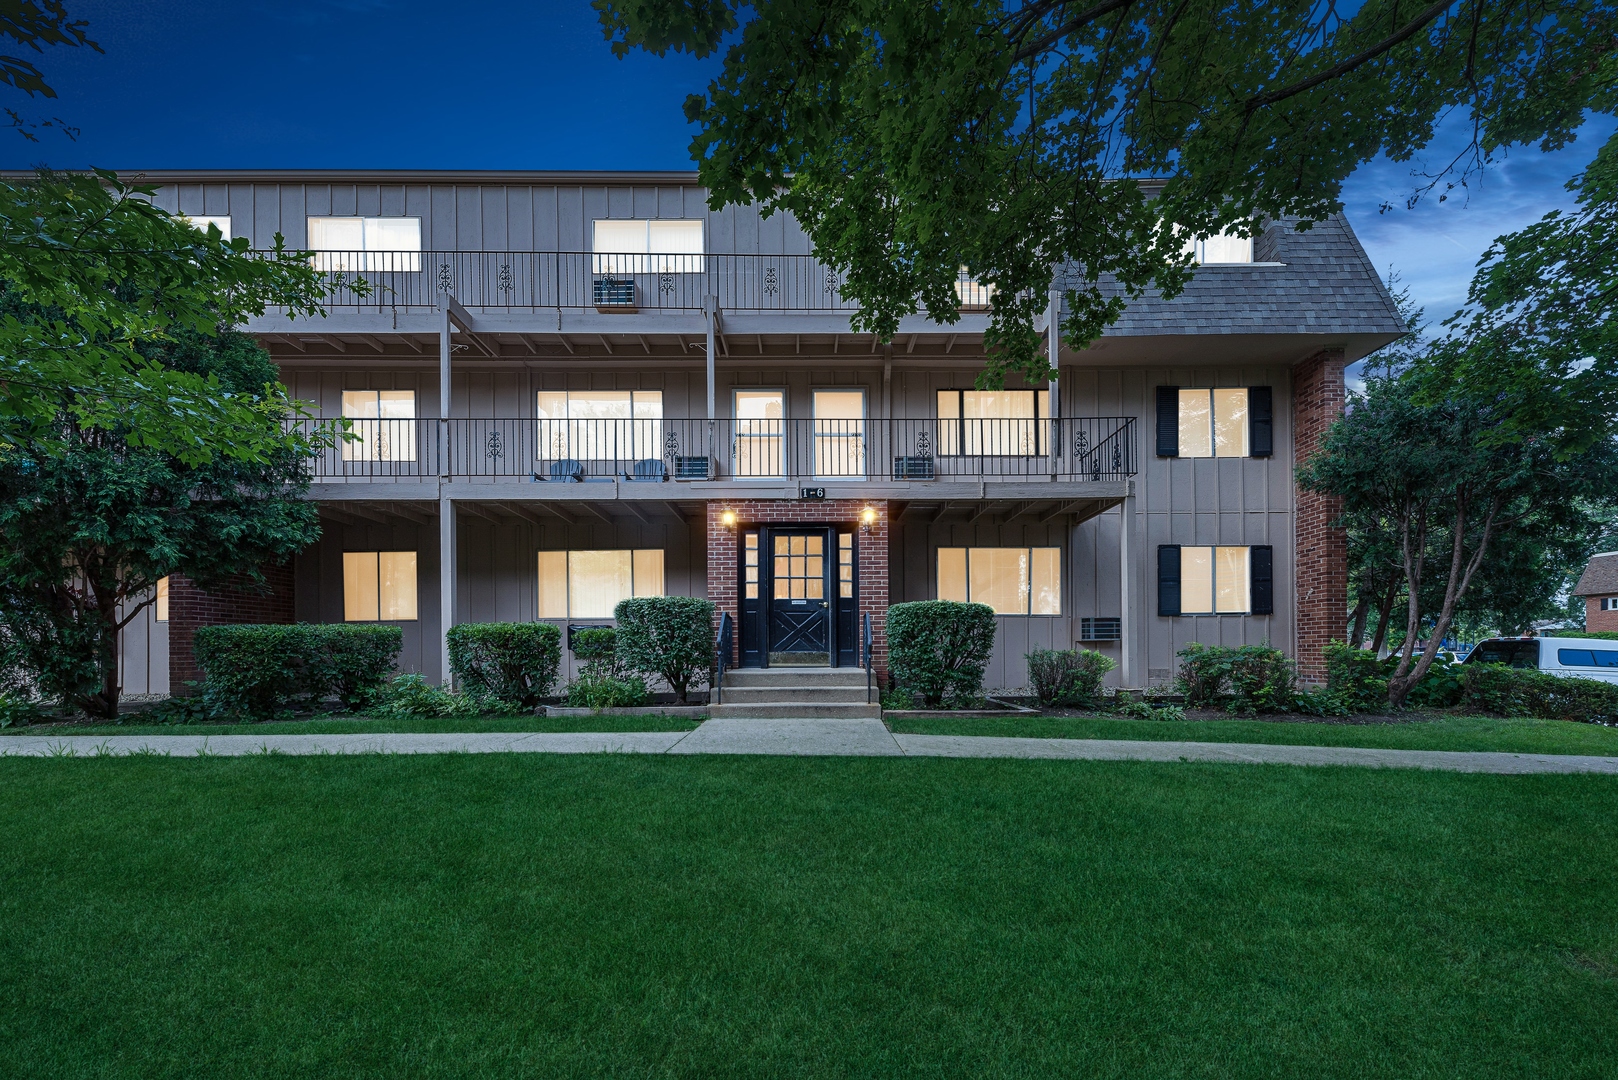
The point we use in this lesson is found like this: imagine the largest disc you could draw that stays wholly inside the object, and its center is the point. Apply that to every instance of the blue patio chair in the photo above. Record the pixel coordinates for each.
(648, 469)
(567, 471)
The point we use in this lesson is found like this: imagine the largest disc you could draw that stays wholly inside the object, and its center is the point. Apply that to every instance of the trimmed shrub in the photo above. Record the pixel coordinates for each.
(939, 650)
(603, 681)
(1067, 676)
(1356, 678)
(510, 664)
(1248, 679)
(1511, 691)
(263, 670)
(667, 636)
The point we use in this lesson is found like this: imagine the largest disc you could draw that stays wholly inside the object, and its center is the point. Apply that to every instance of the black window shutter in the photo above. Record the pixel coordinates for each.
(1168, 421)
(1262, 600)
(1260, 421)
(1168, 579)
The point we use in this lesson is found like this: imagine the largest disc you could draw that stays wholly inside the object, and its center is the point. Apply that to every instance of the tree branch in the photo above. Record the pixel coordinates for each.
(1344, 67)
(1045, 41)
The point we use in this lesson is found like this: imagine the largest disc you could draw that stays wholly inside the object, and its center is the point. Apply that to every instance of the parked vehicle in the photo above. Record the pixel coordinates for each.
(1569, 657)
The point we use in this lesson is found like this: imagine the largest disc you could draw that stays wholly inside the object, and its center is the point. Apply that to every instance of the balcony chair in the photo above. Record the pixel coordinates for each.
(567, 471)
(649, 470)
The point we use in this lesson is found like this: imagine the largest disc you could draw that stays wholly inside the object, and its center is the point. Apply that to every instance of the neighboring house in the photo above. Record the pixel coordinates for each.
(571, 388)
(1598, 585)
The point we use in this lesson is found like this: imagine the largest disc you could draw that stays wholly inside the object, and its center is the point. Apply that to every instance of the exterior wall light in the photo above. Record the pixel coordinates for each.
(727, 518)
(867, 519)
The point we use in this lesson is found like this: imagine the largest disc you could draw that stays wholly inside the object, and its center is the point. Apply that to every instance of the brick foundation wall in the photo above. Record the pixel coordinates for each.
(870, 554)
(191, 607)
(1320, 581)
(1596, 619)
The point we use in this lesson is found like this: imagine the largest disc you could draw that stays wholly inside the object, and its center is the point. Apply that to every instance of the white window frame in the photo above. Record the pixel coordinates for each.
(380, 249)
(1028, 594)
(594, 438)
(637, 587)
(1609, 603)
(380, 438)
(663, 248)
(1222, 249)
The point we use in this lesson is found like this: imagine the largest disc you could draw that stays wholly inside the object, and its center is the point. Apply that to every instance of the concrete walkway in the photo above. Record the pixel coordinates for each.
(844, 738)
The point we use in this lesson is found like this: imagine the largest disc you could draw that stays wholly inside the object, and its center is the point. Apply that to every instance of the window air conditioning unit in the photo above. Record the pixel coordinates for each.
(913, 468)
(614, 295)
(693, 468)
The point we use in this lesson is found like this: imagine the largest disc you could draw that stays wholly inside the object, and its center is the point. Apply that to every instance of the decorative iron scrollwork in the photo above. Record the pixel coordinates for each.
(772, 284)
(924, 444)
(671, 444)
(1081, 443)
(505, 281)
(495, 449)
(665, 284)
(446, 279)
(831, 281)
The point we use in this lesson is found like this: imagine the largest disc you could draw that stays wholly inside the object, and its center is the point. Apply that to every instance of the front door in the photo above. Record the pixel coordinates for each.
(800, 592)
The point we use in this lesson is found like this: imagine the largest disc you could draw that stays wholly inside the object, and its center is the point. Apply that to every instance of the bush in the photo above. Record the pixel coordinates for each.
(413, 696)
(939, 649)
(16, 710)
(1356, 678)
(667, 636)
(262, 671)
(1248, 679)
(1067, 676)
(604, 682)
(1441, 686)
(1135, 709)
(512, 665)
(1511, 691)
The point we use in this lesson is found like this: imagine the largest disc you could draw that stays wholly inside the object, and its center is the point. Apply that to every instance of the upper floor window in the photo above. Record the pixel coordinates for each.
(202, 221)
(598, 425)
(1226, 247)
(988, 422)
(382, 425)
(641, 246)
(1609, 603)
(1013, 581)
(839, 433)
(1215, 422)
(372, 244)
(162, 604)
(974, 295)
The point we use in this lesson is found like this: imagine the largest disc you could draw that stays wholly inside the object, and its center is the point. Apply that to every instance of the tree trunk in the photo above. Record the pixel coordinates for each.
(1384, 612)
(1356, 622)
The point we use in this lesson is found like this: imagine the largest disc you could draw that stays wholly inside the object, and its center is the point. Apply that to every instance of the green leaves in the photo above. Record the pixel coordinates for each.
(912, 140)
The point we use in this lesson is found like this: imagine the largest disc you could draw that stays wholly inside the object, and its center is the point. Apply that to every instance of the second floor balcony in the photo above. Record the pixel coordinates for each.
(655, 450)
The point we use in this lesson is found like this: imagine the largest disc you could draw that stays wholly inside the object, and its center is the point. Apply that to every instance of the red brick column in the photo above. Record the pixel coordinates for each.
(1320, 580)
(234, 604)
(870, 554)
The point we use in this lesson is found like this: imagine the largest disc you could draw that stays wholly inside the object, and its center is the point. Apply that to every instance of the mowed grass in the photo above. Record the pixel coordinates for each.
(1436, 732)
(531, 915)
(365, 725)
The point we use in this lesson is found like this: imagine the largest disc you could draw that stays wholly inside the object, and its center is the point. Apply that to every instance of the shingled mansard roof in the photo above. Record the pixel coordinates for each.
(1316, 281)
(1600, 577)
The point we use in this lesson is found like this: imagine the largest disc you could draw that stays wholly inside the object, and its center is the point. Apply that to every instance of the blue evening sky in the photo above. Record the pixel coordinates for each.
(500, 84)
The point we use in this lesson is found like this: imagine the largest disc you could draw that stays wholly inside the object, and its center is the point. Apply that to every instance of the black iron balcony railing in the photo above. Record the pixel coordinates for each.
(584, 281)
(660, 449)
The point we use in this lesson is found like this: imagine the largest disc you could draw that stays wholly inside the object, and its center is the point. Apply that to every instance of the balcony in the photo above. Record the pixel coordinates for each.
(653, 456)
(577, 281)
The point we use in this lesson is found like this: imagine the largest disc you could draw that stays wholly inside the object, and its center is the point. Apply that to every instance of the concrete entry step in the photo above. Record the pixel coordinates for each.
(795, 676)
(795, 711)
(829, 695)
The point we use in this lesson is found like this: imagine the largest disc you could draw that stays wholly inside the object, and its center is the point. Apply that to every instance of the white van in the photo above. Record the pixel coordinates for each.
(1569, 657)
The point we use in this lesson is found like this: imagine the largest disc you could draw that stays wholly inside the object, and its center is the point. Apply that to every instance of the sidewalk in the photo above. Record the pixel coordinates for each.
(822, 738)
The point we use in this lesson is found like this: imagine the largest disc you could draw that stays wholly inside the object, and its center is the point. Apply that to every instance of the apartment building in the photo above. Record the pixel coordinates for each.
(571, 388)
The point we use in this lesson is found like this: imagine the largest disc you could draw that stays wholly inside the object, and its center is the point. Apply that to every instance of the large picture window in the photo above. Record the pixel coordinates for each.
(994, 422)
(379, 586)
(382, 425)
(589, 584)
(1013, 581)
(641, 246)
(600, 425)
(370, 244)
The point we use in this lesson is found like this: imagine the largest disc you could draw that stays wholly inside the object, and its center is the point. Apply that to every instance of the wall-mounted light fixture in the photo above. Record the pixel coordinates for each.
(727, 518)
(867, 519)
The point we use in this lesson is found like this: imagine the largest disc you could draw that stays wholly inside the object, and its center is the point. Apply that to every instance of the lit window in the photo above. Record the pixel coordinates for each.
(379, 586)
(382, 425)
(372, 244)
(989, 422)
(1214, 580)
(162, 604)
(974, 295)
(1013, 581)
(1213, 423)
(202, 221)
(639, 246)
(1224, 248)
(760, 428)
(589, 584)
(839, 433)
(600, 425)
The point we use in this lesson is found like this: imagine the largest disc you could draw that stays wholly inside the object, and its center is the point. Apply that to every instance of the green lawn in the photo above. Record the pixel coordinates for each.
(1441, 732)
(368, 726)
(538, 916)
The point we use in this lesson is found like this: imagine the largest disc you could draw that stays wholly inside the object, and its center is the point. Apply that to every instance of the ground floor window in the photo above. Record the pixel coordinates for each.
(379, 586)
(1013, 581)
(589, 584)
(162, 604)
(1609, 603)
(1214, 580)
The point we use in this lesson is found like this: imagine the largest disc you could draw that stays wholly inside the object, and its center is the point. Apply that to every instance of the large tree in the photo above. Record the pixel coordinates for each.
(91, 519)
(914, 139)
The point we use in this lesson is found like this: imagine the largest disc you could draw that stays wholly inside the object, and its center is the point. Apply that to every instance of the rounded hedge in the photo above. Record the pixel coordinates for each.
(939, 649)
(514, 664)
(261, 670)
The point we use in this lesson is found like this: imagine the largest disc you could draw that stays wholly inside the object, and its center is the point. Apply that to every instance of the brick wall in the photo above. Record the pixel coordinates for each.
(1320, 580)
(1596, 619)
(870, 554)
(191, 607)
